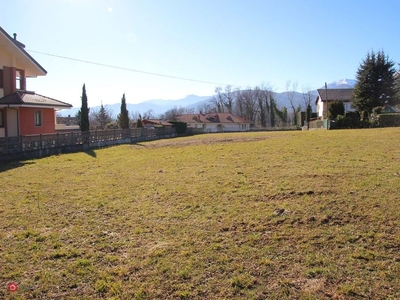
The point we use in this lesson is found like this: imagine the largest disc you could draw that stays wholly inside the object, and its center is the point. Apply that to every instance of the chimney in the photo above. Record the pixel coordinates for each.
(15, 36)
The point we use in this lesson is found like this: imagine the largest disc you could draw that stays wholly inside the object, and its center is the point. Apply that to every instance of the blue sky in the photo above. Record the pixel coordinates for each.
(242, 43)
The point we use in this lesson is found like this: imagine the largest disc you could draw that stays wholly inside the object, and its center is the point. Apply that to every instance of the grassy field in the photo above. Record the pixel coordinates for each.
(271, 215)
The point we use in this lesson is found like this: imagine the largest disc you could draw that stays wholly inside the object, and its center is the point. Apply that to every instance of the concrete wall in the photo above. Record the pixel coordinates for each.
(28, 147)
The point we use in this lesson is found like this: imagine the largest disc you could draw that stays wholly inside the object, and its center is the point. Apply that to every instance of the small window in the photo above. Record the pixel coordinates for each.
(38, 118)
(20, 80)
(1, 117)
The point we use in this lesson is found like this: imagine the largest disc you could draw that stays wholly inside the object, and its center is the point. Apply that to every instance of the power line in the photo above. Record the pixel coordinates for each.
(131, 70)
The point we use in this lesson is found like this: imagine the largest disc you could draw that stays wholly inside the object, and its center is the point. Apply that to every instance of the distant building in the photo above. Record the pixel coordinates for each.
(215, 122)
(325, 96)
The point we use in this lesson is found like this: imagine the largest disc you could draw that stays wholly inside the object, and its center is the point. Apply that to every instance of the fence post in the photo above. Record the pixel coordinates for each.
(57, 144)
(41, 142)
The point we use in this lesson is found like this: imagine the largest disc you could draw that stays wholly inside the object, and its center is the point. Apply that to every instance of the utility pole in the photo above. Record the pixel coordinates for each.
(327, 106)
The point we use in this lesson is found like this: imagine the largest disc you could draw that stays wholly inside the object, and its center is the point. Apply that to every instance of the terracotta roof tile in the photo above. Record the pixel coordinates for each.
(32, 99)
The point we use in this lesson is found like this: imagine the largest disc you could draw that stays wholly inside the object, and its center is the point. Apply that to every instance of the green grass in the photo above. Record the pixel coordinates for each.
(271, 215)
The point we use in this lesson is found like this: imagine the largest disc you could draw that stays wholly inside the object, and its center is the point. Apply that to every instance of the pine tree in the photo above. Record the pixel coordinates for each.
(103, 117)
(123, 117)
(375, 83)
(83, 113)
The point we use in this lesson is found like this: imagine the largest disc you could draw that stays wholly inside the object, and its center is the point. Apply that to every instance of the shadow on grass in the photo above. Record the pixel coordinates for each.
(91, 153)
(8, 165)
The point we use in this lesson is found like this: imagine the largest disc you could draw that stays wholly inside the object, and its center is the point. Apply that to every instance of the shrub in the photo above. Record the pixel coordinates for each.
(180, 127)
(386, 120)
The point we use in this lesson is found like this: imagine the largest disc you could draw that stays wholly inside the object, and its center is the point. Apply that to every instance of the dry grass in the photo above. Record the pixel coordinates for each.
(272, 215)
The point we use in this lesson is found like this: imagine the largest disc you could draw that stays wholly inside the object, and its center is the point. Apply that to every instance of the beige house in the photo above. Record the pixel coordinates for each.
(326, 96)
(215, 122)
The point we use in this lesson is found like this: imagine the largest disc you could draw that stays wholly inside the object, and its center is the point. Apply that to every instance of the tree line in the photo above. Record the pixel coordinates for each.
(257, 105)
(378, 84)
(102, 119)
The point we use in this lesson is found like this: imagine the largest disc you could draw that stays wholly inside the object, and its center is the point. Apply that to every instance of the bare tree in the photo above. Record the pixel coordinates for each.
(291, 92)
(265, 97)
(218, 100)
(249, 103)
(308, 96)
(133, 118)
(149, 114)
(206, 107)
(239, 107)
(172, 113)
(229, 98)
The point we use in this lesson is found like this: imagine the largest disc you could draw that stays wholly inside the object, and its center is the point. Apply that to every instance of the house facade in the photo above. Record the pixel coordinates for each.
(215, 122)
(23, 112)
(326, 96)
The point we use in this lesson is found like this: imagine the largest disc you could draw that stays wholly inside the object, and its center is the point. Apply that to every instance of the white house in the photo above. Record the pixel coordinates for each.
(325, 96)
(215, 122)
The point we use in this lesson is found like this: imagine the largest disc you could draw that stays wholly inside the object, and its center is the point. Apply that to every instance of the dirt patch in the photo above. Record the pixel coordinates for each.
(206, 139)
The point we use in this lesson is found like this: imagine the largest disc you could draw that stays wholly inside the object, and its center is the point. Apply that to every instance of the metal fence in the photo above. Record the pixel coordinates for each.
(34, 146)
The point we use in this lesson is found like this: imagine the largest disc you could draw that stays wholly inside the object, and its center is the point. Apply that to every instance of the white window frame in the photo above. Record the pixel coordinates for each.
(38, 118)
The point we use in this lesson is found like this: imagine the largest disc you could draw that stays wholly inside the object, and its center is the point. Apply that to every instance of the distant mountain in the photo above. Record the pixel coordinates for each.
(188, 100)
(158, 106)
(342, 84)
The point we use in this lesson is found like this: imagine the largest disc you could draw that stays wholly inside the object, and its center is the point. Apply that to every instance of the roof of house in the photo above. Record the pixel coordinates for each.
(33, 68)
(31, 99)
(211, 118)
(334, 95)
(156, 122)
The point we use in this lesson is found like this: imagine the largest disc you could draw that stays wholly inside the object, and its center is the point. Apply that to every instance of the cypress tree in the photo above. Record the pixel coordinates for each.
(375, 83)
(84, 111)
(123, 117)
